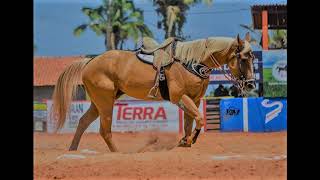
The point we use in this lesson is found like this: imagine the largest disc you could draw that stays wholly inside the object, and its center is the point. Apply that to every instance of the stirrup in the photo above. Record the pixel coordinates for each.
(153, 94)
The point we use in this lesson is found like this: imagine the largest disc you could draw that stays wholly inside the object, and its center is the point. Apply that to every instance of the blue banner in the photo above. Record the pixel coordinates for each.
(253, 114)
(231, 113)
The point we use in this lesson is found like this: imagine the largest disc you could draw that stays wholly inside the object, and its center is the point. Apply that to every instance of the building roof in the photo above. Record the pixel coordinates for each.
(46, 70)
(277, 16)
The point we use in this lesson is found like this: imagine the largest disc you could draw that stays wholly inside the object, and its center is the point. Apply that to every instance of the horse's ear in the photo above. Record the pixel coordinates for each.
(248, 37)
(239, 41)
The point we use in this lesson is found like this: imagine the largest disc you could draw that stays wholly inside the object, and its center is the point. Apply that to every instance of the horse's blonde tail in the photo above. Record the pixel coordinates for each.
(65, 90)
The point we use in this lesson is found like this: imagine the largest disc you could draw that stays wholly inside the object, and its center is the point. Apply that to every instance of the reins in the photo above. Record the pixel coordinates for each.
(237, 82)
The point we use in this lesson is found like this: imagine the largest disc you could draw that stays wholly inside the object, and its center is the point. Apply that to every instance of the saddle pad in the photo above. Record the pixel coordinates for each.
(146, 58)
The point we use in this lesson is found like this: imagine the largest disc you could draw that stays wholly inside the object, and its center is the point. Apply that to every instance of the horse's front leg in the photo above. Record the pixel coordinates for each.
(188, 122)
(191, 112)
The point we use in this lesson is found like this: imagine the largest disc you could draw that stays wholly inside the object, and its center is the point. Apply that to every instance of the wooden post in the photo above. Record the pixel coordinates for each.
(265, 30)
(204, 102)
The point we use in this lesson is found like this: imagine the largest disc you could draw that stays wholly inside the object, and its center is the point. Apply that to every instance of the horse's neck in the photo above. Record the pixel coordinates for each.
(195, 51)
(220, 60)
(221, 56)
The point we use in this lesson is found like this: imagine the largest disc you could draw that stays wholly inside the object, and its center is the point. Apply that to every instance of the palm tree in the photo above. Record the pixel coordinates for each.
(278, 38)
(173, 13)
(117, 21)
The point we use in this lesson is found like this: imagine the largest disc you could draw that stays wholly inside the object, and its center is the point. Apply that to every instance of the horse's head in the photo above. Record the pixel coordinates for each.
(240, 62)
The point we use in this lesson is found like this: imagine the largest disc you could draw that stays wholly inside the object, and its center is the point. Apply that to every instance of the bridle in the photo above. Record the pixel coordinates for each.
(238, 82)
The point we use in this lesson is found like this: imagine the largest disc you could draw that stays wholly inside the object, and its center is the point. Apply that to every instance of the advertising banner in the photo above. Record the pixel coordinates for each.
(39, 116)
(253, 114)
(39, 111)
(77, 109)
(275, 73)
(127, 116)
(145, 116)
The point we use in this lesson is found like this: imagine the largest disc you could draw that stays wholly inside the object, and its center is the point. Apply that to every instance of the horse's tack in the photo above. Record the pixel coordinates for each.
(199, 70)
(239, 83)
(163, 53)
(163, 56)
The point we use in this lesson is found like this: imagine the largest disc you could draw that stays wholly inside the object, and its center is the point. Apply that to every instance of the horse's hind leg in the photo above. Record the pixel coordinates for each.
(103, 94)
(105, 126)
(84, 122)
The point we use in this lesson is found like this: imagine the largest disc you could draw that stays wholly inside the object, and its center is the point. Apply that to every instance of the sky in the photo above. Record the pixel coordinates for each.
(54, 21)
(145, 1)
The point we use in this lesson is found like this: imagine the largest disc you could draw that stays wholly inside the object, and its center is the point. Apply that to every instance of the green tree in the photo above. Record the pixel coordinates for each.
(173, 13)
(278, 38)
(117, 21)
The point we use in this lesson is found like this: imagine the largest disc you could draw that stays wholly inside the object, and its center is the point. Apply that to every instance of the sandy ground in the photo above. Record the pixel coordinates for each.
(154, 156)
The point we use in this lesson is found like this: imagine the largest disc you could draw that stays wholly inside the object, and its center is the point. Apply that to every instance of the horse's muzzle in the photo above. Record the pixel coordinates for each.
(250, 84)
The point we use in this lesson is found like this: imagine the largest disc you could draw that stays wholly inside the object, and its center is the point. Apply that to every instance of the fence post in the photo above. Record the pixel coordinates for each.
(204, 103)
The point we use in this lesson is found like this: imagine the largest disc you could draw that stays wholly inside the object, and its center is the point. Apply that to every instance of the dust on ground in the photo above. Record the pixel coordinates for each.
(154, 155)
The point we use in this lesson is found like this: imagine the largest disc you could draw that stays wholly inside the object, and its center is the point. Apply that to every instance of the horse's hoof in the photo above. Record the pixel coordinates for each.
(194, 140)
(183, 143)
(195, 137)
(72, 149)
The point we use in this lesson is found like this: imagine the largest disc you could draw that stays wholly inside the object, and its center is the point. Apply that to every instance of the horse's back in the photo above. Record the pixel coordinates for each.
(114, 63)
(124, 69)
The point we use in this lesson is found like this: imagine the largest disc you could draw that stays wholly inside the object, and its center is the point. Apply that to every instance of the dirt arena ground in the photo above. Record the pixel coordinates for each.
(154, 156)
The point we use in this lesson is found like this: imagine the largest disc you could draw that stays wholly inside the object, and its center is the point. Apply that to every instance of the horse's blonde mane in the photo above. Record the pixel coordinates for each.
(196, 51)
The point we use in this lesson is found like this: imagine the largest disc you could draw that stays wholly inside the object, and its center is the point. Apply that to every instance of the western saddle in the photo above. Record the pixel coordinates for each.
(163, 55)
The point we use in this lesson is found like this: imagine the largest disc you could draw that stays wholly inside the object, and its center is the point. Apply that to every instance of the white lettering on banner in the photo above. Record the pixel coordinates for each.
(218, 77)
(274, 113)
(221, 77)
(257, 76)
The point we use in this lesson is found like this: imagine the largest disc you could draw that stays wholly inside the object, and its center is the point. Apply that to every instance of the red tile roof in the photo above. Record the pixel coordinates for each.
(46, 70)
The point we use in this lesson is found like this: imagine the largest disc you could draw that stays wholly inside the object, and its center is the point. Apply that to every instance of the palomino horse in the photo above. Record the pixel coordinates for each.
(117, 72)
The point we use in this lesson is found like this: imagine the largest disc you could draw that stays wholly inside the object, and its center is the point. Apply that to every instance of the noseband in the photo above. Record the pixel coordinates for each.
(238, 82)
(239, 60)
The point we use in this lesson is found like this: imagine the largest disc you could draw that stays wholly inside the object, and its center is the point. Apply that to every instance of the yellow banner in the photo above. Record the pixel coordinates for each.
(39, 106)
